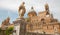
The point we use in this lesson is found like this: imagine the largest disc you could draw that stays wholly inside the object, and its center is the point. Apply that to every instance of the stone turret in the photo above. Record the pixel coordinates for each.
(5, 23)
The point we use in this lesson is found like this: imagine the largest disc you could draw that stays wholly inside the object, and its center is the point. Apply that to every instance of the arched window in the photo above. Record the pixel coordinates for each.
(43, 21)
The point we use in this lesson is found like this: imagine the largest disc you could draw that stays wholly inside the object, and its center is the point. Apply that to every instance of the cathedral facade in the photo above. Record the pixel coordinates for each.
(44, 22)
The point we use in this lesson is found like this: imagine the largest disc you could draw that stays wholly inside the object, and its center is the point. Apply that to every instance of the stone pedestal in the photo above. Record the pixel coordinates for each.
(22, 26)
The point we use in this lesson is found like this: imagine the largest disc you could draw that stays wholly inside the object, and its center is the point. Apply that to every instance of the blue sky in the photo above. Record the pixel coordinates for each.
(10, 8)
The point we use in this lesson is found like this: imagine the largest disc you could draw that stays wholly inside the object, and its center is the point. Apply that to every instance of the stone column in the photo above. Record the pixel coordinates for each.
(22, 27)
(22, 24)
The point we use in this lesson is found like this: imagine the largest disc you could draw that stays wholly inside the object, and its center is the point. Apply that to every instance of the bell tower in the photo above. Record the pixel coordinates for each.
(47, 10)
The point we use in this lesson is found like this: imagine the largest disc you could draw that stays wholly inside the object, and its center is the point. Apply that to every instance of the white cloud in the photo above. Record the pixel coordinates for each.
(9, 4)
(14, 4)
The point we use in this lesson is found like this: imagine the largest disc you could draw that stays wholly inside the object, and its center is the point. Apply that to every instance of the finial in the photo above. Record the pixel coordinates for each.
(8, 18)
(32, 7)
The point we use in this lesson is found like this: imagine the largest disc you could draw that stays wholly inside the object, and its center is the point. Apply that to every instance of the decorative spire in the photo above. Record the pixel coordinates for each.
(32, 7)
(8, 18)
(46, 7)
(52, 15)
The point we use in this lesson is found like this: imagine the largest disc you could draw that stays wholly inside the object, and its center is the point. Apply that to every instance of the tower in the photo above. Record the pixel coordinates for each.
(32, 12)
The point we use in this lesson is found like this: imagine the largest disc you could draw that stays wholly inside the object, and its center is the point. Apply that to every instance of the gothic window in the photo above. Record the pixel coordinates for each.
(55, 29)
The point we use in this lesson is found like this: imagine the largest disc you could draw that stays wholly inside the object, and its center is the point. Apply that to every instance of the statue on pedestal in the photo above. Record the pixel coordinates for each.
(47, 7)
(21, 10)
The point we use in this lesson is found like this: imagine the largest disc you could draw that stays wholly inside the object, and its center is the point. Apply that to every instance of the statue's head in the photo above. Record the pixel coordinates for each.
(23, 2)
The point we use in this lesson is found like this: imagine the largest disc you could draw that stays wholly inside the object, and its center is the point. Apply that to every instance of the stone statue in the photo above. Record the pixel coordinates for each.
(46, 7)
(21, 10)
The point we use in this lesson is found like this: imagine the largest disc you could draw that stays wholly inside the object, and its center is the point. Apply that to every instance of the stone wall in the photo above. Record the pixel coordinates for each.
(30, 33)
